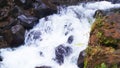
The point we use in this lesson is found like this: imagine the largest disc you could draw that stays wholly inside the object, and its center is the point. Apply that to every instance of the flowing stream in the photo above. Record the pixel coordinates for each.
(56, 40)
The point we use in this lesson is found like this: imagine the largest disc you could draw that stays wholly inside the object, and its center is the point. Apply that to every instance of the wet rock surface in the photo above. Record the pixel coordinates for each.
(62, 51)
(80, 61)
(18, 32)
(70, 39)
(17, 16)
(43, 67)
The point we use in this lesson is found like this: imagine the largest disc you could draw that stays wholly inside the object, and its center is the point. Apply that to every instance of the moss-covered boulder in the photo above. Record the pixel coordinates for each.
(104, 44)
(101, 57)
(106, 31)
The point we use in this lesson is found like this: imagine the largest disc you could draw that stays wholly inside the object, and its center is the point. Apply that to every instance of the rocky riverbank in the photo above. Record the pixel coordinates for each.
(17, 16)
(104, 44)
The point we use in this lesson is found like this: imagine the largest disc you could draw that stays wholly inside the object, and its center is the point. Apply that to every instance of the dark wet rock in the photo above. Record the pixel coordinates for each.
(41, 54)
(27, 21)
(68, 51)
(102, 13)
(113, 10)
(70, 39)
(50, 4)
(114, 1)
(7, 24)
(4, 13)
(99, 13)
(25, 4)
(39, 13)
(3, 43)
(34, 35)
(23, 12)
(7, 36)
(18, 32)
(53, 3)
(3, 3)
(15, 11)
(43, 67)
(80, 61)
(12, 37)
(60, 52)
(3, 24)
(1, 58)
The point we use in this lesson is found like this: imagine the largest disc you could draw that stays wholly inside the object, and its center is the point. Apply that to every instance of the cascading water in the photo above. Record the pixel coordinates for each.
(56, 40)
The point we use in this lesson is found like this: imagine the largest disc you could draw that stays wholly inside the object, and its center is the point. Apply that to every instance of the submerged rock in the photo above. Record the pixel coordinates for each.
(43, 67)
(62, 51)
(80, 61)
(1, 58)
(70, 39)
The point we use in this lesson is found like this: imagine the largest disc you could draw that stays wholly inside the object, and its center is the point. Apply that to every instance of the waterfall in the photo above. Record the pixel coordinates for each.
(56, 40)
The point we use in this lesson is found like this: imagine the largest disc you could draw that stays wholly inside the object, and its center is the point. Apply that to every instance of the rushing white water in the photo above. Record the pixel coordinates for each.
(42, 42)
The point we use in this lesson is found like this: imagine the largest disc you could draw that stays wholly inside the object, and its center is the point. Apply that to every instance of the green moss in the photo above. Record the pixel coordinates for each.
(97, 24)
(114, 66)
(106, 41)
(85, 63)
(102, 65)
(99, 34)
(96, 55)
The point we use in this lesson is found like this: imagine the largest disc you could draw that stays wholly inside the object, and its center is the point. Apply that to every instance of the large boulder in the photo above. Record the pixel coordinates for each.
(27, 21)
(60, 52)
(104, 44)
(18, 32)
(12, 37)
(106, 31)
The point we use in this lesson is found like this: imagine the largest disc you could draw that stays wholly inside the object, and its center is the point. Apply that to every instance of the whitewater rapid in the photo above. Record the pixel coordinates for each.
(69, 29)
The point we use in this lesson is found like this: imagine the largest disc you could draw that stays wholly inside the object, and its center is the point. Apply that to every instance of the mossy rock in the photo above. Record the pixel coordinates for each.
(105, 31)
(101, 57)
